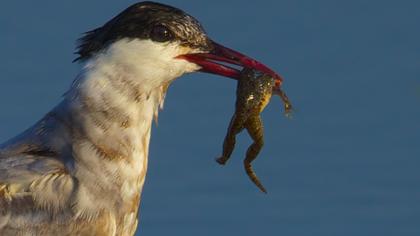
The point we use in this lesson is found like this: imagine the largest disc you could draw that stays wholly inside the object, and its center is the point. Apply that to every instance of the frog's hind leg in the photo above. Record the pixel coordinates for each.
(236, 126)
(255, 129)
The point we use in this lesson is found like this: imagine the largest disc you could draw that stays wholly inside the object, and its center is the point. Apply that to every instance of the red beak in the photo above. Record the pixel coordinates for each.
(212, 63)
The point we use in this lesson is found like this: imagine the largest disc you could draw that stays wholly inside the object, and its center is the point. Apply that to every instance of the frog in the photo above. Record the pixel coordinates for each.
(253, 92)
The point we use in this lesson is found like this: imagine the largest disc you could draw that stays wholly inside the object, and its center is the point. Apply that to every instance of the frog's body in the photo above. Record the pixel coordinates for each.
(253, 93)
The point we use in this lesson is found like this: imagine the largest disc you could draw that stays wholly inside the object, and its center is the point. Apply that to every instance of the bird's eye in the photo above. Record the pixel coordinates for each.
(161, 33)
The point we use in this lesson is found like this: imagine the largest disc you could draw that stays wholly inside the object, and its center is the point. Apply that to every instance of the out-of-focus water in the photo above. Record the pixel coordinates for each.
(347, 164)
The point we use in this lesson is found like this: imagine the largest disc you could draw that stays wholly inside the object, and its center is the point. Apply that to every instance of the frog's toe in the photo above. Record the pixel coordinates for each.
(221, 160)
(289, 114)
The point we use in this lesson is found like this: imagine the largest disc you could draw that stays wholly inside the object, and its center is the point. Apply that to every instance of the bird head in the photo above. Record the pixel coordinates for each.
(166, 40)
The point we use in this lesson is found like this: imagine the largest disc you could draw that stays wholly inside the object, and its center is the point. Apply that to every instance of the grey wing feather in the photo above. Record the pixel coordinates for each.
(32, 190)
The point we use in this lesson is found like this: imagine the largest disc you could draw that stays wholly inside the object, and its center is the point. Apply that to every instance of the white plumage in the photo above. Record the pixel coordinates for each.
(81, 169)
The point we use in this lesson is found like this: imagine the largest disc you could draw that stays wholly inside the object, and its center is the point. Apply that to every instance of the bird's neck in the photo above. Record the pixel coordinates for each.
(111, 107)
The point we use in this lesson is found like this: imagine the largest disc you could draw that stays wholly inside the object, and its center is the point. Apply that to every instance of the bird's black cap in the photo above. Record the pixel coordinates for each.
(145, 20)
(165, 24)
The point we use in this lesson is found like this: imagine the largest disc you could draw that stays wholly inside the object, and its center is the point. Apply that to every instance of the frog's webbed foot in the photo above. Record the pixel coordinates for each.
(222, 160)
(236, 126)
(255, 129)
(251, 154)
(251, 174)
(228, 146)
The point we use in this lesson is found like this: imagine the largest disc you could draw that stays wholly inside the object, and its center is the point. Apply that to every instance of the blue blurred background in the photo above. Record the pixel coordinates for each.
(347, 164)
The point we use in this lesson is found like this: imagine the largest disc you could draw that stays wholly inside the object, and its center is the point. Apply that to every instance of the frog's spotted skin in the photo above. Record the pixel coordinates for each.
(253, 93)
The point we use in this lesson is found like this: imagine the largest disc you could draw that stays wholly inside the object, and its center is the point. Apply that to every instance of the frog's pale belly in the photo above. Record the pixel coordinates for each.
(264, 101)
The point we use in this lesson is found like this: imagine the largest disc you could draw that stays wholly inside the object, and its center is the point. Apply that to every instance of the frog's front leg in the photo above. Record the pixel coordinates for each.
(236, 126)
(255, 129)
(287, 105)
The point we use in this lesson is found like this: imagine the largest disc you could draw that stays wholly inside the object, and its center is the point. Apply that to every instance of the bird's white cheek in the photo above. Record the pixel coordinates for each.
(151, 62)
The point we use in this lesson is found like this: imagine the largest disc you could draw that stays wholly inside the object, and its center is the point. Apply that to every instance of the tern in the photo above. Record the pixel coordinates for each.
(80, 170)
